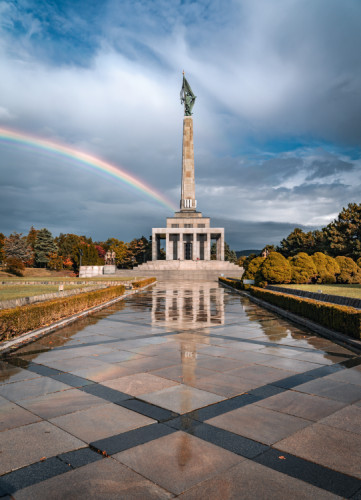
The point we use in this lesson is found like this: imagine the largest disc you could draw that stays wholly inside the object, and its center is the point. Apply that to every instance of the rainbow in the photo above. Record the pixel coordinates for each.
(94, 163)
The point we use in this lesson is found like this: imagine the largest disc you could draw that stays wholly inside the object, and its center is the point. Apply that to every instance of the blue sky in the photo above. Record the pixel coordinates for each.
(276, 122)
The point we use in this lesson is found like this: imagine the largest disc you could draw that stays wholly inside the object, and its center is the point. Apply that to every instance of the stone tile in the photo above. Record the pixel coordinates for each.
(181, 373)
(10, 374)
(334, 448)
(290, 364)
(249, 481)
(347, 419)
(118, 356)
(12, 415)
(147, 364)
(322, 477)
(224, 384)
(61, 403)
(74, 364)
(218, 364)
(28, 388)
(259, 424)
(103, 372)
(181, 398)
(130, 439)
(301, 405)
(261, 374)
(328, 388)
(178, 461)
(107, 479)
(28, 444)
(100, 422)
(352, 376)
(139, 383)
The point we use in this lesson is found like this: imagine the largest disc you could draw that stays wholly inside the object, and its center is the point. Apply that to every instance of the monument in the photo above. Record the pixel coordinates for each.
(188, 236)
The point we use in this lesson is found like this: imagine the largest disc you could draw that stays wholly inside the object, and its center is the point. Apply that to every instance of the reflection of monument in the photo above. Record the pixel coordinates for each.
(188, 236)
(199, 306)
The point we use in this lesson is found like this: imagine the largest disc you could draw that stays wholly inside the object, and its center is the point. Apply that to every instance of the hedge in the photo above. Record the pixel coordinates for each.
(339, 318)
(142, 283)
(14, 322)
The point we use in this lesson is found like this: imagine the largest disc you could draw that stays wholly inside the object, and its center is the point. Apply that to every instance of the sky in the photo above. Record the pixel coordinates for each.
(277, 129)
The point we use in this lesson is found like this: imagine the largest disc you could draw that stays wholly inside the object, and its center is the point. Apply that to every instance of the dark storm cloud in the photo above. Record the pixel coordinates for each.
(276, 124)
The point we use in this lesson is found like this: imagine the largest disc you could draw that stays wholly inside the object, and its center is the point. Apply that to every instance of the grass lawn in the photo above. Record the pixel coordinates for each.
(353, 291)
(8, 292)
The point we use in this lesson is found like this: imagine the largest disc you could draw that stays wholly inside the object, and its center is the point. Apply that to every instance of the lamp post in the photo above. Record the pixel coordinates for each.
(80, 256)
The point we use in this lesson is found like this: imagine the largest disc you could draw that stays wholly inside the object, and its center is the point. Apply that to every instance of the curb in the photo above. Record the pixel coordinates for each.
(337, 337)
(34, 335)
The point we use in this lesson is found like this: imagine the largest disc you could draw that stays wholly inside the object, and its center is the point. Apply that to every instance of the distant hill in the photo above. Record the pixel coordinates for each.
(240, 253)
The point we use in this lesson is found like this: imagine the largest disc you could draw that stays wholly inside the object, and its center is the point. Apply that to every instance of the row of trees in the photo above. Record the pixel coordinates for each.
(340, 237)
(302, 268)
(67, 251)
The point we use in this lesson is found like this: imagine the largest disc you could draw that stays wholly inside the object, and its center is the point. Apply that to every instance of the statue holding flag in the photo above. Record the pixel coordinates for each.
(187, 97)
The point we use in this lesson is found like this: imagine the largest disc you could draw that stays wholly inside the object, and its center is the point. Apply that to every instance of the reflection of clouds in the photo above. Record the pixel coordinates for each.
(188, 305)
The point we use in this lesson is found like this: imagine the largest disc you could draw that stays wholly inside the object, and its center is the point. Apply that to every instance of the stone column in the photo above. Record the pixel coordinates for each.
(196, 247)
(181, 247)
(168, 252)
(207, 247)
(154, 246)
(188, 201)
(220, 246)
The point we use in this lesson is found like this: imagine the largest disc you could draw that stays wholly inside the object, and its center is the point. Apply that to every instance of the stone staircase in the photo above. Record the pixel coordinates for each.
(186, 270)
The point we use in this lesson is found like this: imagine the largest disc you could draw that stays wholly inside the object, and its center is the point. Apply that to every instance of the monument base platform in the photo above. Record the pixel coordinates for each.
(208, 270)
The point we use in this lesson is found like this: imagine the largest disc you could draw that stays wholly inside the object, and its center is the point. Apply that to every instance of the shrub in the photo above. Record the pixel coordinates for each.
(303, 268)
(252, 268)
(326, 266)
(349, 270)
(142, 283)
(274, 269)
(359, 262)
(340, 318)
(15, 266)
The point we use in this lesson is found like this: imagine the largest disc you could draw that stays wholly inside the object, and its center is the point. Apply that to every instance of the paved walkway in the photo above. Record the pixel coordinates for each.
(182, 390)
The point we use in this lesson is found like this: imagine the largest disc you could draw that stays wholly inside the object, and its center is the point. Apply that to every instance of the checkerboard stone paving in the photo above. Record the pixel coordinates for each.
(184, 390)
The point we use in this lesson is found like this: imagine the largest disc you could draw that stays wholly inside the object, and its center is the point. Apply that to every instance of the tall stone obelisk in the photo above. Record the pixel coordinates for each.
(188, 201)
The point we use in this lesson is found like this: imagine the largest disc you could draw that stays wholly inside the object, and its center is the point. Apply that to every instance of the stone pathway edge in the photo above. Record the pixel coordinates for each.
(337, 337)
(32, 336)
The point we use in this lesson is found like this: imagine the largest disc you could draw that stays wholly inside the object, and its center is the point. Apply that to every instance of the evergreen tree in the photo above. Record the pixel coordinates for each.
(17, 247)
(31, 237)
(344, 234)
(43, 247)
(275, 269)
(303, 268)
(296, 242)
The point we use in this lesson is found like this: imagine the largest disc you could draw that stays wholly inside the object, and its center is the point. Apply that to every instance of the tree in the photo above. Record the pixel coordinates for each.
(303, 268)
(326, 267)
(16, 246)
(296, 242)
(123, 257)
(229, 254)
(15, 266)
(31, 237)
(43, 247)
(253, 268)
(67, 244)
(349, 270)
(275, 269)
(344, 234)
(89, 255)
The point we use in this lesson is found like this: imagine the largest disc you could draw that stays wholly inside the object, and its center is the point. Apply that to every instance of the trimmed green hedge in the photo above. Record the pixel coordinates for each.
(339, 318)
(145, 282)
(14, 322)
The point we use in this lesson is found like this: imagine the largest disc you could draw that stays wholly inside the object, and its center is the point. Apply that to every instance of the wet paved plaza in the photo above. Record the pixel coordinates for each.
(186, 390)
